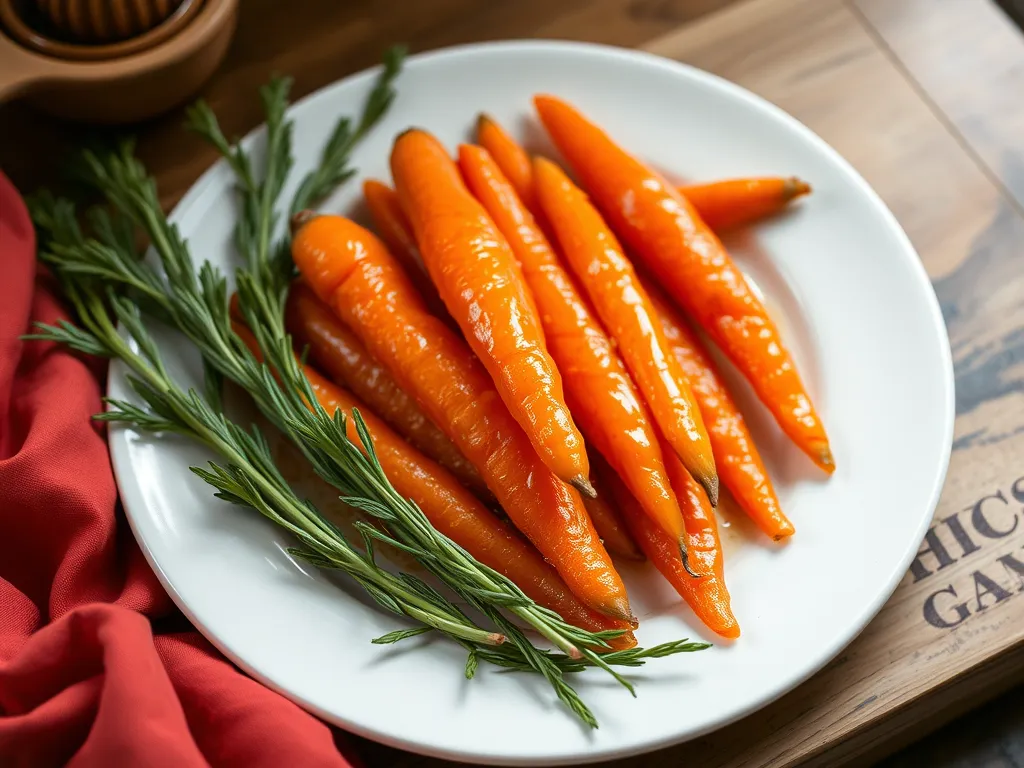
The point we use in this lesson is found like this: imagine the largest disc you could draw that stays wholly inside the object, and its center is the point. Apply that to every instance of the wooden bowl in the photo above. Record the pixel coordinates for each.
(126, 88)
(22, 21)
(104, 21)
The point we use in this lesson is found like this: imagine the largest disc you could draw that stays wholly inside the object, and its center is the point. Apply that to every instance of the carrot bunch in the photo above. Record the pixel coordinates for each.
(517, 357)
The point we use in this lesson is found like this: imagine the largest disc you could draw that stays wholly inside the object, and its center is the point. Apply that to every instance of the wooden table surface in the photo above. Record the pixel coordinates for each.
(922, 96)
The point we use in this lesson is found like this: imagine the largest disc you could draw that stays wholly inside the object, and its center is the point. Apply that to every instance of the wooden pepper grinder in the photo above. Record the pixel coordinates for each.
(105, 21)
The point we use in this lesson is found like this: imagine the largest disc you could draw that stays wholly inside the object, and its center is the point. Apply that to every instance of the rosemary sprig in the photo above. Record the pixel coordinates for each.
(197, 305)
(249, 476)
(333, 169)
(199, 308)
(258, 219)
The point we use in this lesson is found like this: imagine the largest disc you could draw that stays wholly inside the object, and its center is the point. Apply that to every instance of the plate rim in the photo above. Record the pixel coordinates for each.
(120, 444)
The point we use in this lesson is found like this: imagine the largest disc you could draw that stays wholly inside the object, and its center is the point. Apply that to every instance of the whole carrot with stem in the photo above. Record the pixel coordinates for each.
(739, 464)
(393, 227)
(621, 302)
(732, 203)
(480, 281)
(334, 349)
(453, 510)
(706, 595)
(664, 229)
(353, 273)
(598, 388)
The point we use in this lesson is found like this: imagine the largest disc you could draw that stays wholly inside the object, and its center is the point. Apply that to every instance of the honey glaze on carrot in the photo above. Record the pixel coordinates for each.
(783, 308)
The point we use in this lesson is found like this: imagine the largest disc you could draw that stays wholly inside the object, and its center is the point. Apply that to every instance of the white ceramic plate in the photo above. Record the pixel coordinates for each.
(857, 308)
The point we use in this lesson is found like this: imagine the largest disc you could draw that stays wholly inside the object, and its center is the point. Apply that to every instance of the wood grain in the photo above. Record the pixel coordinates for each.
(917, 95)
(320, 41)
(969, 84)
(991, 736)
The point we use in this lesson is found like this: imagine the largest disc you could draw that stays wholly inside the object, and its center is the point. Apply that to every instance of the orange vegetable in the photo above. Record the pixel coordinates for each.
(480, 282)
(663, 228)
(730, 203)
(337, 351)
(622, 304)
(722, 204)
(453, 510)
(707, 594)
(605, 516)
(511, 159)
(393, 227)
(598, 389)
(353, 273)
(739, 464)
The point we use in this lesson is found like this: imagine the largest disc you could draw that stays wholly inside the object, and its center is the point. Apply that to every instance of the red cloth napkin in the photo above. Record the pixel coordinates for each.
(84, 680)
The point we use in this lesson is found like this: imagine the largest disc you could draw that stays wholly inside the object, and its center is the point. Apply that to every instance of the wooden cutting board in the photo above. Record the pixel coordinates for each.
(923, 97)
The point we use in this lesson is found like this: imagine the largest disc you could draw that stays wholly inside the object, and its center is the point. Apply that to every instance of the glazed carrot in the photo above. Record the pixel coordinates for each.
(393, 227)
(597, 260)
(663, 228)
(722, 204)
(454, 511)
(733, 202)
(353, 273)
(605, 516)
(511, 159)
(337, 351)
(739, 463)
(480, 282)
(598, 388)
(706, 595)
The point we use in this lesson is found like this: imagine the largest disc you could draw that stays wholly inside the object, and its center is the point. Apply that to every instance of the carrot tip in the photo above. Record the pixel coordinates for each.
(410, 129)
(795, 187)
(300, 219)
(784, 532)
(582, 484)
(710, 484)
(684, 555)
(824, 459)
(730, 632)
(619, 609)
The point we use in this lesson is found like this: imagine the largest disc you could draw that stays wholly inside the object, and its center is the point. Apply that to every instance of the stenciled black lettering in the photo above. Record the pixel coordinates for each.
(936, 619)
(983, 525)
(1017, 491)
(1014, 567)
(960, 534)
(983, 587)
(932, 546)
